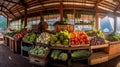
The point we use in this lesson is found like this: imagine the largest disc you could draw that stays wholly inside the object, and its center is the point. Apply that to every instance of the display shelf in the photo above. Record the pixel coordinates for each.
(41, 44)
(99, 46)
(70, 48)
(58, 63)
(27, 42)
(80, 45)
(80, 58)
(98, 57)
(114, 43)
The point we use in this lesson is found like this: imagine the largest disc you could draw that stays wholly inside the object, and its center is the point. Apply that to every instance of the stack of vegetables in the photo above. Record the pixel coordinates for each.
(79, 38)
(44, 38)
(113, 37)
(97, 33)
(11, 34)
(80, 53)
(30, 37)
(59, 55)
(60, 38)
(39, 51)
(97, 41)
(21, 34)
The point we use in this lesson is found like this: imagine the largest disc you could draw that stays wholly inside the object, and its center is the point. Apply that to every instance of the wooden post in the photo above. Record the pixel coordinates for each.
(22, 22)
(7, 22)
(115, 22)
(25, 17)
(61, 11)
(96, 21)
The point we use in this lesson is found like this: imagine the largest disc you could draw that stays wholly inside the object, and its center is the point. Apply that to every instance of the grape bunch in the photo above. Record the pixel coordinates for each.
(97, 41)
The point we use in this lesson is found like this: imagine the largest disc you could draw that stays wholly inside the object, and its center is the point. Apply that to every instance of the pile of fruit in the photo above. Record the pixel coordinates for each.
(61, 37)
(21, 34)
(30, 37)
(39, 51)
(59, 55)
(77, 38)
(80, 53)
(97, 33)
(113, 37)
(10, 34)
(97, 41)
(44, 38)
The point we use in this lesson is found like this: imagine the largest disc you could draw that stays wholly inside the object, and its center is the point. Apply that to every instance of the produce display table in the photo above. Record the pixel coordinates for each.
(68, 50)
(107, 51)
(13, 44)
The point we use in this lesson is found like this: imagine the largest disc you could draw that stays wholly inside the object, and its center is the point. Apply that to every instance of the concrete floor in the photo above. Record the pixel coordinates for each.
(9, 59)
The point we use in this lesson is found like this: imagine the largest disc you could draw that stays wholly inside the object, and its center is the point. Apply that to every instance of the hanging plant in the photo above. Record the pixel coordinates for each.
(67, 21)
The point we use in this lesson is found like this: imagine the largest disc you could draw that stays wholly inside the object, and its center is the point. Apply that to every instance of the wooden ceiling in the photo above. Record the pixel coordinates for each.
(16, 8)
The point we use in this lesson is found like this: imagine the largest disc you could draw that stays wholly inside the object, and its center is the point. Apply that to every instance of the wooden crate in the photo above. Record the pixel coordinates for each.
(17, 46)
(98, 57)
(42, 61)
(114, 49)
(12, 44)
(69, 28)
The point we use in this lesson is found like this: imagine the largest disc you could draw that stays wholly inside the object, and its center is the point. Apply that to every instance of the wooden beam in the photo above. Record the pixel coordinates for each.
(23, 3)
(41, 4)
(12, 6)
(25, 17)
(8, 10)
(61, 11)
(13, 2)
(117, 7)
(115, 22)
(97, 3)
(2, 7)
(96, 13)
(7, 25)
(25, 12)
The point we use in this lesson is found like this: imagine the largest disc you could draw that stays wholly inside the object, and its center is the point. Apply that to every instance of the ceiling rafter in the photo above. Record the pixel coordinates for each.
(23, 3)
(13, 2)
(2, 4)
(41, 4)
(7, 5)
(19, 12)
(12, 6)
(5, 13)
(117, 7)
(97, 3)
(8, 10)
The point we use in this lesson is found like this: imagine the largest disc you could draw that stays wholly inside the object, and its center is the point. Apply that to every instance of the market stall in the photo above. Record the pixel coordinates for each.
(59, 33)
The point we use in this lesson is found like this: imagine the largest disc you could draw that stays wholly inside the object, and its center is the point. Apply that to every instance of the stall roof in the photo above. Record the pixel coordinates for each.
(15, 8)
